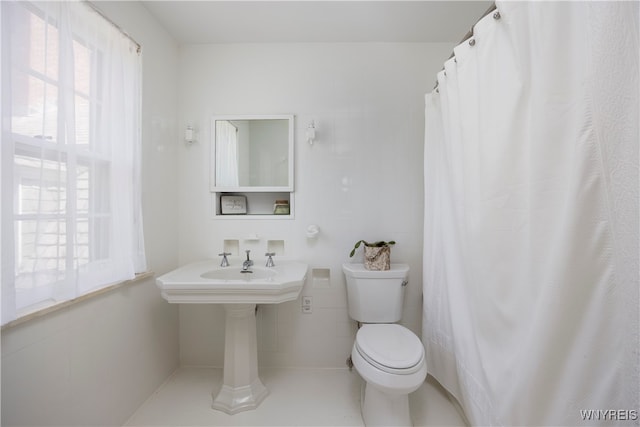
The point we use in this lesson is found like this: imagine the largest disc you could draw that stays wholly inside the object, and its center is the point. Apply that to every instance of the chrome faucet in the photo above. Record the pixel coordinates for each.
(225, 261)
(270, 259)
(247, 263)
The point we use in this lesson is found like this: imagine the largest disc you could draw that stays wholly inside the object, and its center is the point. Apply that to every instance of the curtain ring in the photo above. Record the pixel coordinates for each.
(496, 15)
(472, 42)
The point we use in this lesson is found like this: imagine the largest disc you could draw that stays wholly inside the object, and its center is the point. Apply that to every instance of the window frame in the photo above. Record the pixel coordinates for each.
(91, 159)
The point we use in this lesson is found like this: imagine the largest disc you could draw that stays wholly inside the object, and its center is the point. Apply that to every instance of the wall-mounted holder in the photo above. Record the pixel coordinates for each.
(231, 246)
(276, 247)
(321, 277)
(313, 231)
(311, 132)
(189, 135)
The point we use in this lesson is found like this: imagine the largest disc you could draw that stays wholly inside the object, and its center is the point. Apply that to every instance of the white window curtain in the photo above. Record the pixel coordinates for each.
(226, 154)
(70, 216)
(531, 307)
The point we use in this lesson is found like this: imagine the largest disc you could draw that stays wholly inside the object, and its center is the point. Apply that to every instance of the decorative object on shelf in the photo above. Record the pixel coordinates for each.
(281, 207)
(233, 205)
(377, 255)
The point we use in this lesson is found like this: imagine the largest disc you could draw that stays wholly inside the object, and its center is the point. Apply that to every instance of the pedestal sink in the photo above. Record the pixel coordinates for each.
(206, 283)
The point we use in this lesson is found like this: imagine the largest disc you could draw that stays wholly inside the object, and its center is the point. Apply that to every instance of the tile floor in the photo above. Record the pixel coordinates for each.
(298, 397)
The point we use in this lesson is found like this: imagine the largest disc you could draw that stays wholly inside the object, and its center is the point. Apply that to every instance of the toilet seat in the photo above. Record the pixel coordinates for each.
(391, 348)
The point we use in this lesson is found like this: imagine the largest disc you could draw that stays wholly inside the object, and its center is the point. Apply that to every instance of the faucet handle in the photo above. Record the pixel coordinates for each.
(225, 261)
(270, 259)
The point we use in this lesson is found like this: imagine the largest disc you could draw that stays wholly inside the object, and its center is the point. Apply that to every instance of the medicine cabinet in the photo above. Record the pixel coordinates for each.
(252, 157)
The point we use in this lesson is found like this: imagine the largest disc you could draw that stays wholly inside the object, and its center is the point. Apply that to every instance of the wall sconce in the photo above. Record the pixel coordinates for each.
(311, 132)
(188, 135)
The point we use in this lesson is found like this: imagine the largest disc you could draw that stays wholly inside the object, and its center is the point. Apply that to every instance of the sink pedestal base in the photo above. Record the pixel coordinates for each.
(242, 389)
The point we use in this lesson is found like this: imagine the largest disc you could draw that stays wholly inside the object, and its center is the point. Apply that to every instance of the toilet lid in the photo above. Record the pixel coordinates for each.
(390, 347)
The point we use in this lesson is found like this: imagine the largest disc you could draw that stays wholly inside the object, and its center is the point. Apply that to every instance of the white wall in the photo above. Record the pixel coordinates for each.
(362, 179)
(95, 362)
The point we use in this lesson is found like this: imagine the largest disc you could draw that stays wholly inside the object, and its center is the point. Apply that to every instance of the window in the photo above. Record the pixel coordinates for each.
(71, 219)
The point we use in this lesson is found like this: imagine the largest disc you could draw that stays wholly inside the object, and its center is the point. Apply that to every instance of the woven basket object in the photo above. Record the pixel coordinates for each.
(377, 258)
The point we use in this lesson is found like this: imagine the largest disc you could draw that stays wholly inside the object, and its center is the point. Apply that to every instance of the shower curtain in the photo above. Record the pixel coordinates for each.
(531, 217)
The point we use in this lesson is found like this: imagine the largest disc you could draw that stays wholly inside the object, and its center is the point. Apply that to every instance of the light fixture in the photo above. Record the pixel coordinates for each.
(188, 135)
(311, 132)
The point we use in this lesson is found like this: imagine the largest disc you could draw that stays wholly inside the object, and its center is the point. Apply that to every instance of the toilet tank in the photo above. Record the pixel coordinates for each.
(375, 296)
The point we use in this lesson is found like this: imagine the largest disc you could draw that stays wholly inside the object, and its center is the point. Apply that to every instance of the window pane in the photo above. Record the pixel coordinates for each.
(35, 112)
(52, 50)
(83, 178)
(40, 252)
(82, 64)
(37, 44)
(100, 185)
(83, 111)
(41, 186)
(82, 240)
(82, 82)
(101, 234)
(100, 217)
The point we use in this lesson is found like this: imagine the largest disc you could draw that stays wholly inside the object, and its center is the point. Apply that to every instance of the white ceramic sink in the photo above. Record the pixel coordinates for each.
(235, 274)
(206, 283)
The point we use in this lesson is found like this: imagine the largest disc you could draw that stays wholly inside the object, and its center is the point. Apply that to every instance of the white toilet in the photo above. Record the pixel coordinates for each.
(389, 357)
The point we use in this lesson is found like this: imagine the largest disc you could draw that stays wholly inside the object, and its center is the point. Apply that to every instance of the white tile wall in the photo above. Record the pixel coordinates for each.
(95, 362)
(362, 179)
(91, 364)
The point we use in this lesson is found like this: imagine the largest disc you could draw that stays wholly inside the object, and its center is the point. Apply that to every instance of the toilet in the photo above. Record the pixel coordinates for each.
(389, 357)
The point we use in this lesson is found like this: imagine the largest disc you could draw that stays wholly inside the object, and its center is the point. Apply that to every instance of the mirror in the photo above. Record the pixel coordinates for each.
(252, 153)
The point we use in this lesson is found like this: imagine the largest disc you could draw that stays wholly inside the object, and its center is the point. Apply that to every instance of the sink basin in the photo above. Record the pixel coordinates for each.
(235, 274)
(206, 282)
(239, 292)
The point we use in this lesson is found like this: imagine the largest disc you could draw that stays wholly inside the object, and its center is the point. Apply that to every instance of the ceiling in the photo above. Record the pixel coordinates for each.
(267, 21)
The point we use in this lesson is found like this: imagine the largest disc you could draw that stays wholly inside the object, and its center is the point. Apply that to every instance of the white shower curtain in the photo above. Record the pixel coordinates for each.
(227, 174)
(531, 217)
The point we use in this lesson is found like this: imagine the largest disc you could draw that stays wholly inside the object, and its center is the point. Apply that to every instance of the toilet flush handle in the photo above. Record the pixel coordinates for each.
(405, 282)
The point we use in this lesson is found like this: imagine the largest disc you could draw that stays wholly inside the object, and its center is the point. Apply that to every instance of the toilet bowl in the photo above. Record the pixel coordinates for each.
(390, 359)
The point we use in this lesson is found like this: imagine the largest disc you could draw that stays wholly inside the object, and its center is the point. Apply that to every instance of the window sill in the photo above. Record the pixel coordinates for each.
(40, 310)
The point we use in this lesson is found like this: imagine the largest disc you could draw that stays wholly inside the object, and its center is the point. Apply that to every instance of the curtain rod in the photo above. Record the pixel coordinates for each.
(118, 27)
(470, 33)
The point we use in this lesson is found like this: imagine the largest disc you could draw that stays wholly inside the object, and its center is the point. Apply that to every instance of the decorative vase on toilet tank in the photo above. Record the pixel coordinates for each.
(377, 255)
